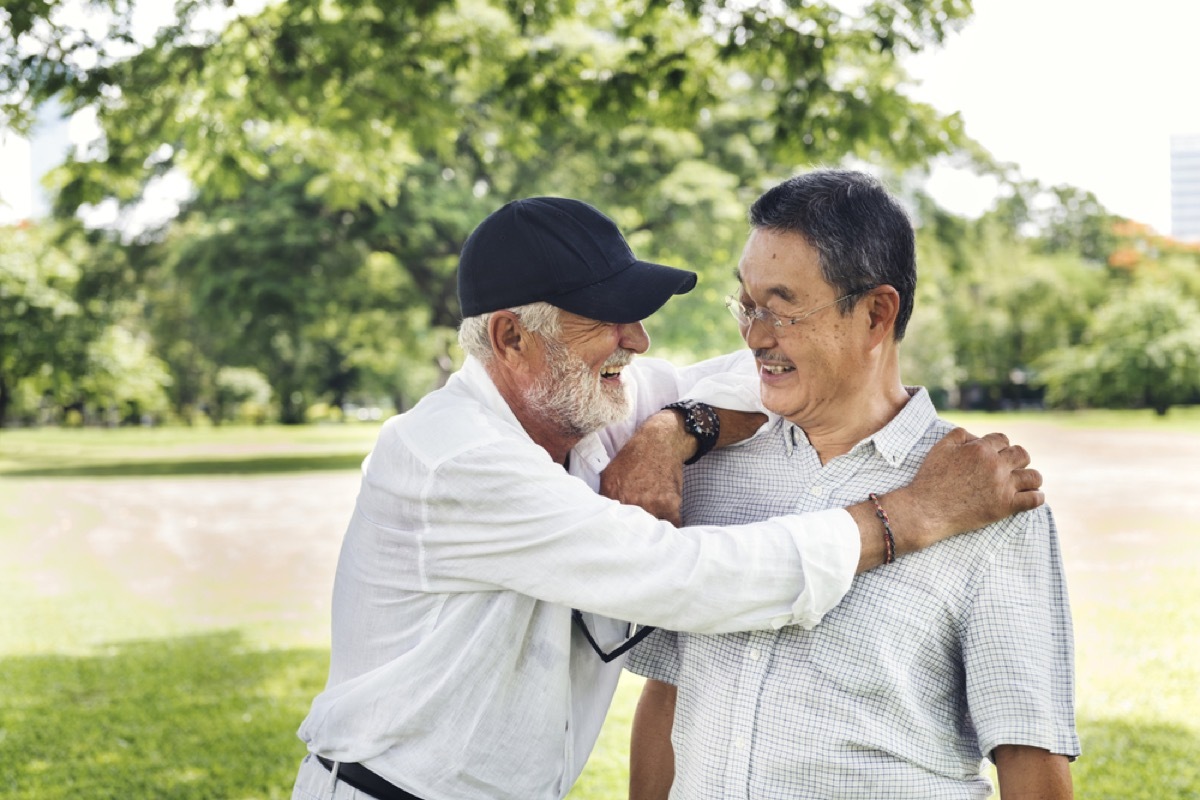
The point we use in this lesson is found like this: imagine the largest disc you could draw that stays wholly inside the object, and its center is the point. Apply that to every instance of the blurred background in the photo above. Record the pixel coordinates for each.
(234, 211)
(228, 235)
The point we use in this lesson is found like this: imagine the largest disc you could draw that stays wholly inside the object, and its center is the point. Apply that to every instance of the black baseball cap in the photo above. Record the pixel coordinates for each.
(566, 253)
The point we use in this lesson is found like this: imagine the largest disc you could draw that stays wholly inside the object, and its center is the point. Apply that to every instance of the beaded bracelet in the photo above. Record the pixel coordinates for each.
(889, 541)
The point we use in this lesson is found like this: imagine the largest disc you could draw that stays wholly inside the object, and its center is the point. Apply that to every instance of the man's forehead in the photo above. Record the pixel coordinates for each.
(781, 264)
(788, 288)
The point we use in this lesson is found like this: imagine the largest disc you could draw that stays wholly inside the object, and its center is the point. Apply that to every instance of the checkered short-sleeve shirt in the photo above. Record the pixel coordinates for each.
(926, 665)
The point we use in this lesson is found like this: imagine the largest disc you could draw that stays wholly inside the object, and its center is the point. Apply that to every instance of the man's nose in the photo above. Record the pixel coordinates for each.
(635, 338)
(759, 334)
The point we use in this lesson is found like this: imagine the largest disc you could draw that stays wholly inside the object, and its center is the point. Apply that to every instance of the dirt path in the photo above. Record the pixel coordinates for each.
(1127, 502)
(205, 553)
(221, 552)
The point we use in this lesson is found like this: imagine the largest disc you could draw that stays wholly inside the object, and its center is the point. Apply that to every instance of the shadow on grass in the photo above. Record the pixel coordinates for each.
(228, 466)
(192, 717)
(1136, 760)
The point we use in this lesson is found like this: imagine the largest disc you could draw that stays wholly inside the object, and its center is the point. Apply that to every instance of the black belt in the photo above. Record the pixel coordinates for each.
(364, 780)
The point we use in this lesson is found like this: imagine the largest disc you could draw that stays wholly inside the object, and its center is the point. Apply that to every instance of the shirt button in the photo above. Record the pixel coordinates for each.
(754, 654)
(739, 743)
(817, 490)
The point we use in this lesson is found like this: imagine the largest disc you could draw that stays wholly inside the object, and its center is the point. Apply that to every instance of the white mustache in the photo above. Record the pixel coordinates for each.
(621, 358)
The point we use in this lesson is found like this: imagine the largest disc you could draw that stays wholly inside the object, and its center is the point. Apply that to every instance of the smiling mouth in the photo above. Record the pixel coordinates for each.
(775, 369)
(610, 372)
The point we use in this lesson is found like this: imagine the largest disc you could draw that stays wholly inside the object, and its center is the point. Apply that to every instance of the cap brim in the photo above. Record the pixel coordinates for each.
(631, 295)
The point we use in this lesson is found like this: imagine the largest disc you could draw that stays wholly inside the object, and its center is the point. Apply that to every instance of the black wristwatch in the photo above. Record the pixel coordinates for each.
(701, 421)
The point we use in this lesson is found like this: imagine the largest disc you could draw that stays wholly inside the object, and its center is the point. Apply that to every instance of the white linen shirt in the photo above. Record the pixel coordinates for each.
(455, 672)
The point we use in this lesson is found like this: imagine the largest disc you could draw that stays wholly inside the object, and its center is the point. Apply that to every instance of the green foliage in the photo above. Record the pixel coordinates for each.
(122, 375)
(242, 394)
(1019, 307)
(1141, 349)
(342, 150)
(362, 91)
(989, 305)
(37, 302)
(67, 333)
(1077, 223)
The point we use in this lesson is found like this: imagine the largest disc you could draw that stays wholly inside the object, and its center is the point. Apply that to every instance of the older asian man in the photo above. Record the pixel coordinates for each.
(930, 663)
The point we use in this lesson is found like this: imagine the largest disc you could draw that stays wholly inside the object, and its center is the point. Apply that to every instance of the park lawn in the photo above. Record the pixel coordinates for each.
(229, 449)
(111, 692)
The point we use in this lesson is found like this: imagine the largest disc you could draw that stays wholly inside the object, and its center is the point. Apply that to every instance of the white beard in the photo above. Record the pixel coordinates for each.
(571, 396)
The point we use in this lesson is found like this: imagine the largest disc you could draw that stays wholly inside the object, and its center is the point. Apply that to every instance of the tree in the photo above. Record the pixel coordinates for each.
(393, 128)
(363, 89)
(37, 303)
(268, 270)
(123, 379)
(1141, 350)
(65, 300)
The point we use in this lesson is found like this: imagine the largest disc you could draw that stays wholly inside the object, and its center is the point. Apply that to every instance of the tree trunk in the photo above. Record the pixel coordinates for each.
(5, 398)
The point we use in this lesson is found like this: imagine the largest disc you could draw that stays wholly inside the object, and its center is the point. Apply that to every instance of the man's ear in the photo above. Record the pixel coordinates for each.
(883, 305)
(509, 339)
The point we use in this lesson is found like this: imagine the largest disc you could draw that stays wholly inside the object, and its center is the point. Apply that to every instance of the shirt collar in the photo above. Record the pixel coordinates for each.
(474, 375)
(477, 381)
(893, 441)
(897, 439)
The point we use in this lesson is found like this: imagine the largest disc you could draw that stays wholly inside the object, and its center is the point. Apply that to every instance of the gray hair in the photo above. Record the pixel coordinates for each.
(863, 235)
(540, 318)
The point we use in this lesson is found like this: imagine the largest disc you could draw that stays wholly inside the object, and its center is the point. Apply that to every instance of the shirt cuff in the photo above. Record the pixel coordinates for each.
(830, 546)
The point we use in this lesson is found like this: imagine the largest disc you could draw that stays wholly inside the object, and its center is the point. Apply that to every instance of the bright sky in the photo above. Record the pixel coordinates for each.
(1085, 92)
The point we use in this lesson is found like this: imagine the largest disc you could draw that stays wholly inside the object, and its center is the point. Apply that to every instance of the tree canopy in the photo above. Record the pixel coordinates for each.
(340, 151)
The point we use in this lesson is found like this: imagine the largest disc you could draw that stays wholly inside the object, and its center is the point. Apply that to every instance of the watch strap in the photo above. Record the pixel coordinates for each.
(701, 421)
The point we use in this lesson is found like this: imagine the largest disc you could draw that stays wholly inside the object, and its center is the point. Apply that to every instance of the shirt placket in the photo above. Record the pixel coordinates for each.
(755, 657)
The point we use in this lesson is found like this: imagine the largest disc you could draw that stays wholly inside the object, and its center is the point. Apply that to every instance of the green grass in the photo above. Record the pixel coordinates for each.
(131, 452)
(110, 690)
(198, 717)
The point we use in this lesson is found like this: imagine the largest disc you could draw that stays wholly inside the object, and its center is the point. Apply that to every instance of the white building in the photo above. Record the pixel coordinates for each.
(1185, 187)
(25, 161)
(16, 178)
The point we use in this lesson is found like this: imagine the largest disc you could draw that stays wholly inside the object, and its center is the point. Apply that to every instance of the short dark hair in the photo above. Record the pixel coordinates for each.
(863, 235)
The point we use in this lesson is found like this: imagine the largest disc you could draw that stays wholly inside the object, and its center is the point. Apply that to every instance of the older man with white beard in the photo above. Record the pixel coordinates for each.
(475, 643)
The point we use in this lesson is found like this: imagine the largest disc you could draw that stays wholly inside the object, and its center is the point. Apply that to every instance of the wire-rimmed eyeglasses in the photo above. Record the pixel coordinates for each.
(746, 315)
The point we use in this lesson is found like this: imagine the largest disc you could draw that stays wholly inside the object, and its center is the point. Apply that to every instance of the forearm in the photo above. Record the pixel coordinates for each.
(965, 482)
(648, 472)
(1031, 773)
(651, 755)
(908, 526)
